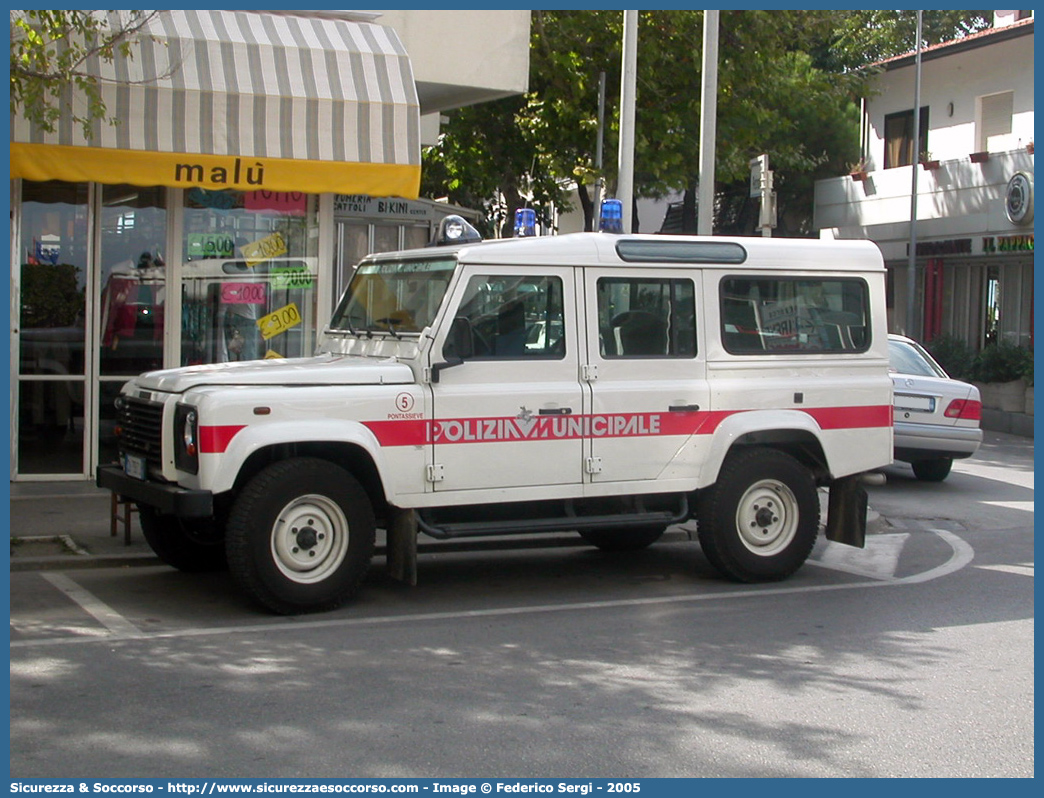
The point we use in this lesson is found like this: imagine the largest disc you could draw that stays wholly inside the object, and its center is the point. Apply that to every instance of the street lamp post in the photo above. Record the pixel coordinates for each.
(708, 123)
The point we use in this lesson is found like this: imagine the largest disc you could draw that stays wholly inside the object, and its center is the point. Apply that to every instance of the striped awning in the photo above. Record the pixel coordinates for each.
(245, 100)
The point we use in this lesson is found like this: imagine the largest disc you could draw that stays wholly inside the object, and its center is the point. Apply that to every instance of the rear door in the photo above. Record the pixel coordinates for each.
(648, 379)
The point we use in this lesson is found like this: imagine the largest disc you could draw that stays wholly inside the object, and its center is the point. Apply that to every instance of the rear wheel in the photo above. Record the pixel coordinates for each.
(932, 470)
(628, 539)
(300, 536)
(193, 546)
(760, 520)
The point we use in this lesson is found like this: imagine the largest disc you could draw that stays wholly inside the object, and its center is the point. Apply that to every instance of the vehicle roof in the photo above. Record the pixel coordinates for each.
(601, 249)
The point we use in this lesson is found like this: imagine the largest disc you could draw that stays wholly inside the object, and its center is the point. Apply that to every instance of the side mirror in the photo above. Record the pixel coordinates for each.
(460, 344)
(459, 347)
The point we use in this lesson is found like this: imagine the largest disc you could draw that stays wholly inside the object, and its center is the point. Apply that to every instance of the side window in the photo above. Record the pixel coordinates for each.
(646, 317)
(513, 317)
(788, 315)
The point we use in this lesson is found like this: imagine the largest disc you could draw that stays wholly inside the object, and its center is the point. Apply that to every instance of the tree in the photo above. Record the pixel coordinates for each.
(50, 53)
(788, 85)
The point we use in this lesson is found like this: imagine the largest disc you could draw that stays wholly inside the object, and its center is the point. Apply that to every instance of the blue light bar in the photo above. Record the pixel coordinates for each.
(610, 216)
(525, 222)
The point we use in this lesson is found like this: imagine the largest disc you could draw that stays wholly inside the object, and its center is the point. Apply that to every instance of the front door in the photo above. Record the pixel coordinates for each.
(509, 415)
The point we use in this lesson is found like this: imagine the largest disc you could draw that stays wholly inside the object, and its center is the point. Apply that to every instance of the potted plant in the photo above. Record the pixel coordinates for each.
(858, 170)
(928, 163)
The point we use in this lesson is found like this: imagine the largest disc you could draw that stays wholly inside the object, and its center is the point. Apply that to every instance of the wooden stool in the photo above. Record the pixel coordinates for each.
(121, 511)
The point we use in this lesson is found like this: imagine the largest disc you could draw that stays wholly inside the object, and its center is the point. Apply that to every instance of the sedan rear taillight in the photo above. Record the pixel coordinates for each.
(968, 409)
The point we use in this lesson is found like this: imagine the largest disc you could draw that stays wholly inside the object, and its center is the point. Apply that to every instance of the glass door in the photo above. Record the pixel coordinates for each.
(54, 249)
(131, 293)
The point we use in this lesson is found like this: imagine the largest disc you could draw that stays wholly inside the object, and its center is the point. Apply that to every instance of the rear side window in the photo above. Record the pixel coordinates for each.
(646, 317)
(794, 315)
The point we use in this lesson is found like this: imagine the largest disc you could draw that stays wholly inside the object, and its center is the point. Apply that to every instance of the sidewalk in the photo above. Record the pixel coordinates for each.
(61, 525)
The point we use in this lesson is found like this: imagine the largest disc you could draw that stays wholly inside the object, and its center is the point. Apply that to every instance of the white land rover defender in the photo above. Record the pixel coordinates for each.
(609, 384)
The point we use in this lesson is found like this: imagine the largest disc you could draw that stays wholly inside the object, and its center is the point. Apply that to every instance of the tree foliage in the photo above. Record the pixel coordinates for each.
(788, 85)
(50, 53)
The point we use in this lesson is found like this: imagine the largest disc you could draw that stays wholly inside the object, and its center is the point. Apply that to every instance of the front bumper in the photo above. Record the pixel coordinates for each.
(167, 498)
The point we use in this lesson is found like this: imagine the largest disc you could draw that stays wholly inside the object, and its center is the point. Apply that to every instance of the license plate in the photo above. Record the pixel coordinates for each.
(922, 403)
(134, 466)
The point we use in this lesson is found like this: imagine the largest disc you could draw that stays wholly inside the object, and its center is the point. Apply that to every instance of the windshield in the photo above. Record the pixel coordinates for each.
(393, 296)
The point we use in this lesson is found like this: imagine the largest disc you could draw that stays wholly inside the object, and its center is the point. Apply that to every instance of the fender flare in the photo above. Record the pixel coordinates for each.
(747, 422)
(254, 438)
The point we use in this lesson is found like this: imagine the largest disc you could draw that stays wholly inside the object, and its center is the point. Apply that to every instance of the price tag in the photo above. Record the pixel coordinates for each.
(279, 321)
(210, 245)
(264, 248)
(242, 294)
(291, 277)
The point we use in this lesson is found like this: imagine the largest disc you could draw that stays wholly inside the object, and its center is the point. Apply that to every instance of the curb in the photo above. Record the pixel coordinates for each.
(69, 562)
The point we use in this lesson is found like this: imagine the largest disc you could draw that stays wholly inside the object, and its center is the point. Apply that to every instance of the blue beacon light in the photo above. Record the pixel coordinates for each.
(610, 216)
(525, 222)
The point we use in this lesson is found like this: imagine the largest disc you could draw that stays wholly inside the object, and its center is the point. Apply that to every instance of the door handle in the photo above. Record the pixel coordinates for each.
(683, 408)
(555, 411)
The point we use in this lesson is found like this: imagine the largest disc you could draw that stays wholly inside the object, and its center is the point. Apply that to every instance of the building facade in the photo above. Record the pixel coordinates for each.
(259, 156)
(972, 174)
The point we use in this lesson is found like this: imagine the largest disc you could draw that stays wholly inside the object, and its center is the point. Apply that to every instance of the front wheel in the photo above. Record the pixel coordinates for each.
(932, 470)
(192, 546)
(300, 536)
(760, 520)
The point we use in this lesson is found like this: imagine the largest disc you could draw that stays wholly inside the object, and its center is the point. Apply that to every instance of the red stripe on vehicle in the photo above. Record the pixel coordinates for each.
(852, 417)
(214, 440)
(416, 432)
(399, 433)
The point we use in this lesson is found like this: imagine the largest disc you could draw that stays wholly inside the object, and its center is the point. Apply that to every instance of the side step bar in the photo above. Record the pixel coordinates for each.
(465, 529)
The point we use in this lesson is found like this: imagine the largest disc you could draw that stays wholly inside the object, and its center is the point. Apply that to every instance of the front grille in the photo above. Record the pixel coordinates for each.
(141, 431)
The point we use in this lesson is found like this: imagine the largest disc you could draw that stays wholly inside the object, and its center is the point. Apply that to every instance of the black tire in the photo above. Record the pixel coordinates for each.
(190, 546)
(759, 521)
(629, 539)
(932, 470)
(315, 566)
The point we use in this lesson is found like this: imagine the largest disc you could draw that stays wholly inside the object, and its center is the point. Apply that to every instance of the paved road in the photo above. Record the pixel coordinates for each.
(911, 658)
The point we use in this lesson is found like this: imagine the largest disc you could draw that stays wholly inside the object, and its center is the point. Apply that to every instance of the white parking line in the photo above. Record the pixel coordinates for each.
(95, 607)
(962, 554)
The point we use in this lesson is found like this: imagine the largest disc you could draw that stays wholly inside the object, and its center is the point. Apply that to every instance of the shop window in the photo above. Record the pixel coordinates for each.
(133, 279)
(248, 276)
(899, 131)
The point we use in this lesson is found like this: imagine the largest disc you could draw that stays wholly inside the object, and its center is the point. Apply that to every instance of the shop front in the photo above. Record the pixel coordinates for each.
(203, 228)
(977, 288)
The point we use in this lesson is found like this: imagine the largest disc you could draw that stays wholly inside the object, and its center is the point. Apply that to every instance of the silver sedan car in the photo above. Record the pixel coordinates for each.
(936, 418)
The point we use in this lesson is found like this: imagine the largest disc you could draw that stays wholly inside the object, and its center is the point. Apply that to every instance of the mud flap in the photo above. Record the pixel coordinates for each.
(401, 551)
(846, 512)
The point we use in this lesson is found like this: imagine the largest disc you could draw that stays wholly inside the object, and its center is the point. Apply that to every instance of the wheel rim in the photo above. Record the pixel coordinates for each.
(309, 539)
(767, 517)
